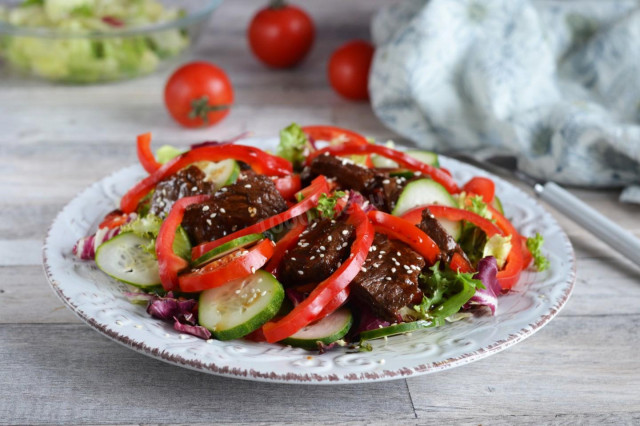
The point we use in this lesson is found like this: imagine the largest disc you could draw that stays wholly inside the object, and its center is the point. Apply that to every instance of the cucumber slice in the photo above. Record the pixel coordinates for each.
(226, 248)
(221, 173)
(497, 204)
(126, 258)
(329, 329)
(241, 306)
(423, 192)
(427, 157)
(404, 327)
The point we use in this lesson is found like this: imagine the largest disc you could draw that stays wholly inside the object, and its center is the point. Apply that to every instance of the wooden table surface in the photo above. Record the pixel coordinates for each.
(583, 367)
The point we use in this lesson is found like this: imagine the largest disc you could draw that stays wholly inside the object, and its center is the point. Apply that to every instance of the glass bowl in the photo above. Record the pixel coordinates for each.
(113, 51)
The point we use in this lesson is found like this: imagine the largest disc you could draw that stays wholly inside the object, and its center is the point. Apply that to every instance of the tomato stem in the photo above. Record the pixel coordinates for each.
(277, 4)
(200, 108)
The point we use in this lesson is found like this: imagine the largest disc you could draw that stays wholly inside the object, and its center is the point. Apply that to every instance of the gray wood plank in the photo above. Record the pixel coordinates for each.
(70, 374)
(586, 365)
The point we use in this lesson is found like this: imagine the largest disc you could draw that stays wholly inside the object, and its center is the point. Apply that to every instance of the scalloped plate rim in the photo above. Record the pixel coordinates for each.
(249, 373)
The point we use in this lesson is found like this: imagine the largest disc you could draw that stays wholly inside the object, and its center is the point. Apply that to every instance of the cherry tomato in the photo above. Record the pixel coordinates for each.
(198, 94)
(481, 186)
(349, 70)
(281, 35)
(233, 266)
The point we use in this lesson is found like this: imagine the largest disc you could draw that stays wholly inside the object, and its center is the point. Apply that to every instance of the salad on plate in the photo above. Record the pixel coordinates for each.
(332, 240)
(87, 46)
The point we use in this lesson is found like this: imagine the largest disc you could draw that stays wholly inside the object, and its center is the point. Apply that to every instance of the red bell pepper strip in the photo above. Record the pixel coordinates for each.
(329, 133)
(401, 158)
(313, 191)
(285, 244)
(332, 133)
(459, 263)
(510, 274)
(335, 303)
(313, 306)
(261, 162)
(115, 219)
(236, 265)
(481, 186)
(145, 156)
(288, 186)
(402, 230)
(169, 263)
(451, 213)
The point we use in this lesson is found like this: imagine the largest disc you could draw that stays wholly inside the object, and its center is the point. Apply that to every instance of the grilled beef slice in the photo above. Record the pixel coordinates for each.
(251, 199)
(186, 182)
(321, 248)
(388, 280)
(375, 185)
(440, 236)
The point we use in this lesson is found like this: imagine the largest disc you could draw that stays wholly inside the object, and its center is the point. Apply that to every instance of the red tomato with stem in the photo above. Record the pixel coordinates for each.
(281, 35)
(349, 69)
(198, 94)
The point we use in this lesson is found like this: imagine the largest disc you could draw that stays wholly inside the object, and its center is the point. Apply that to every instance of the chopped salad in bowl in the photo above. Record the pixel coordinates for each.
(332, 240)
(88, 41)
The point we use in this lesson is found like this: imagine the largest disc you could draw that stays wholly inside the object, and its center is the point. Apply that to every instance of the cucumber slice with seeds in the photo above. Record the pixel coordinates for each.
(126, 258)
(329, 329)
(427, 157)
(423, 192)
(241, 306)
(219, 173)
(404, 327)
(227, 248)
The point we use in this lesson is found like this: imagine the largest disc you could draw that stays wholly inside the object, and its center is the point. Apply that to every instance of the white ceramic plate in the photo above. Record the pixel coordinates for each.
(99, 301)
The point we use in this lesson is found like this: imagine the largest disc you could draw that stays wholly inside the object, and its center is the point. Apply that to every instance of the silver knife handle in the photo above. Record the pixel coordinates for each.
(616, 237)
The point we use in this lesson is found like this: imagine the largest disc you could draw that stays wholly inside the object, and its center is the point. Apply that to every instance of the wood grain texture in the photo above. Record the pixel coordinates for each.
(55, 140)
(70, 374)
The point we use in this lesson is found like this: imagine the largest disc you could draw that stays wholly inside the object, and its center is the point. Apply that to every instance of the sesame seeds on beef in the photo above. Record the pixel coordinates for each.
(320, 249)
(251, 199)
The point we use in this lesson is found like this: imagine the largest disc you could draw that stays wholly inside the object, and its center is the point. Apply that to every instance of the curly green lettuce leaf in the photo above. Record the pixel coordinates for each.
(534, 244)
(327, 204)
(293, 145)
(445, 293)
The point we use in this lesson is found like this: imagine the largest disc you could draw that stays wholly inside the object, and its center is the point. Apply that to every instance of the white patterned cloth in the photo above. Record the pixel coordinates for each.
(556, 83)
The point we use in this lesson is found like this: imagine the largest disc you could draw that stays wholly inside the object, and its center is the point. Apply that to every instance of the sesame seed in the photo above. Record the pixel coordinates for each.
(376, 265)
(213, 215)
(312, 257)
(333, 222)
(394, 259)
(345, 232)
(222, 210)
(386, 181)
(194, 188)
(388, 278)
(379, 256)
(329, 238)
(397, 263)
(209, 222)
(253, 270)
(322, 248)
(300, 272)
(205, 208)
(345, 244)
(237, 291)
(313, 225)
(248, 186)
(363, 269)
(382, 252)
(293, 258)
(398, 253)
(393, 270)
(406, 267)
(224, 189)
(321, 254)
